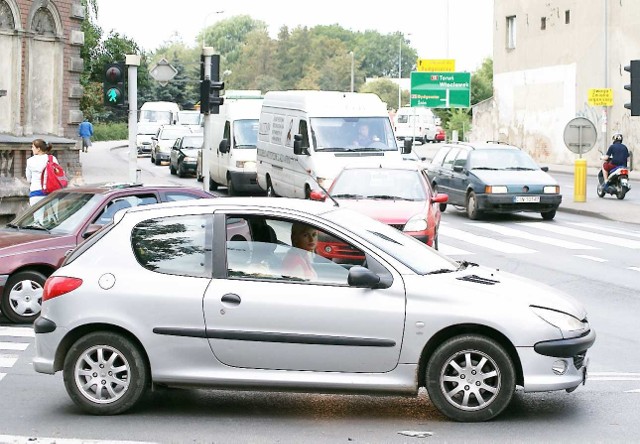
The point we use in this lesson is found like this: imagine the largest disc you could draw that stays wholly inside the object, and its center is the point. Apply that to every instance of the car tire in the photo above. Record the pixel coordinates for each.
(180, 170)
(601, 191)
(115, 364)
(158, 161)
(172, 170)
(271, 192)
(199, 176)
(435, 242)
(231, 191)
(621, 193)
(213, 185)
(443, 206)
(151, 158)
(472, 206)
(22, 297)
(548, 215)
(470, 378)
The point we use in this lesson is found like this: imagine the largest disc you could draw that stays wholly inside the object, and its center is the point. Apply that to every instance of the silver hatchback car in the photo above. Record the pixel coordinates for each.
(236, 294)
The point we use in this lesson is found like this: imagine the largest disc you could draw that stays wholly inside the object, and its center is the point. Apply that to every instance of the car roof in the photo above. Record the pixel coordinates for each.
(483, 145)
(113, 187)
(386, 165)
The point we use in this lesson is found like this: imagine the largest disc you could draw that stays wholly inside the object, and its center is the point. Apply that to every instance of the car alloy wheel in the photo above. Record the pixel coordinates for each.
(22, 298)
(105, 373)
(472, 206)
(470, 378)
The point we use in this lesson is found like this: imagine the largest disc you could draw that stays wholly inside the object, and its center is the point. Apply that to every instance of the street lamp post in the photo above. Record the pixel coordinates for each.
(352, 70)
(400, 72)
(204, 23)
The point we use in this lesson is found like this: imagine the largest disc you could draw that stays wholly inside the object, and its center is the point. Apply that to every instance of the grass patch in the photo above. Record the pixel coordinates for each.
(110, 131)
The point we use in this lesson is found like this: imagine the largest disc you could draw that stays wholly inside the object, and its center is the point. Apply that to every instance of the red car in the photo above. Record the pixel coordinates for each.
(440, 134)
(399, 195)
(34, 244)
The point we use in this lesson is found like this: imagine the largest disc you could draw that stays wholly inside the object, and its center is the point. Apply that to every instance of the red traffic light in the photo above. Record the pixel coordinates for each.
(114, 74)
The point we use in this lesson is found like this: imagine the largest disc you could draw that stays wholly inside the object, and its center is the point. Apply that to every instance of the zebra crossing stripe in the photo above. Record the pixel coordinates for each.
(591, 258)
(585, 235)
(2, 375)
(493, 244)
(15, 439)
(7, 361)
(625, 233)
(20, 332)
(512, 232)
(449, 250)
(634, 268)
(13, 345)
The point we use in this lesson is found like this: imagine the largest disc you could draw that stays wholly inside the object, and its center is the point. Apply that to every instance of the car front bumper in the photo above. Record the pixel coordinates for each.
(245, 181)
(505, 203)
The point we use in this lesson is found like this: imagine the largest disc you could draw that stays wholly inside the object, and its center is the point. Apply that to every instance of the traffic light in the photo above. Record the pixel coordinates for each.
(113, 84)
(210, 99)
(634, 87)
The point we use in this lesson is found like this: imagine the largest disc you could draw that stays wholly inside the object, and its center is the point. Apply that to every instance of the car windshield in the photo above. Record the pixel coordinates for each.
(155, 116)
(189, 117)
(352, 134)
(60, 213)
(168, 134)
(191, 142)
(501, 159)
(245, 133)
(414, 254)
(379, 183)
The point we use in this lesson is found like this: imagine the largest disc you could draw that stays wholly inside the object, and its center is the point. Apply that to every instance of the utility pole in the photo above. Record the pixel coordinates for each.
(207, 52)
(133, 61)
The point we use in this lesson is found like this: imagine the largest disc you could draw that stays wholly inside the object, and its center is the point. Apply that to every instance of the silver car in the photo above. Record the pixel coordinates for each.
(213, 293)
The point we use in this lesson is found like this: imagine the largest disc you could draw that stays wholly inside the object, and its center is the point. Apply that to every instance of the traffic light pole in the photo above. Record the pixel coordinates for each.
(207, 52)
(133, 61)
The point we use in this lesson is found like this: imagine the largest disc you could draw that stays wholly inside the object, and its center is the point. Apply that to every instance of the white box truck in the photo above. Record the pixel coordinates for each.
(309, 136)
(150, 117)
(232, 159)
(416, 123)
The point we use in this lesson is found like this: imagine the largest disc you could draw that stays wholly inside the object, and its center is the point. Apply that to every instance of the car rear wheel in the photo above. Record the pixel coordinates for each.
(105, 373)
(22, 297)
(213, 185)
(470, 378)
(180, 171)
(472, 206)
(548, 215)
(231, 191)
(443, 206)
(172, 170)
(158, 161)
(271, 192)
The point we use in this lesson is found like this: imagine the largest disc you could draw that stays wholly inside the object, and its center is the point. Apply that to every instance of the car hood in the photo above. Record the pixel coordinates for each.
(483, 285)
(515, 177)
(387, 211)
(14, 241)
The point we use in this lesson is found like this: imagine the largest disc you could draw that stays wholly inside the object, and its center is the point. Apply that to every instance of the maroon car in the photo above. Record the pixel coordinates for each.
(34, 244)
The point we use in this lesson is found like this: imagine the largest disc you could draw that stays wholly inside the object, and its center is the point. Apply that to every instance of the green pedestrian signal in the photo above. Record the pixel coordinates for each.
(113, 84)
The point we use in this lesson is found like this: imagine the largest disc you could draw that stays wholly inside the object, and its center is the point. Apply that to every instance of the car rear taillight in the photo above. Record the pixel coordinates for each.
(59, 285)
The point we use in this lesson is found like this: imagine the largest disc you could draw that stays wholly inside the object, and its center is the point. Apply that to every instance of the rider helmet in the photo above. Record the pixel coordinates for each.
(617, 137)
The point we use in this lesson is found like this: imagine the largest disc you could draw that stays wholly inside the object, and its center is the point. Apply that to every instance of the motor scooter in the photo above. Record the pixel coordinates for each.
(617, 183)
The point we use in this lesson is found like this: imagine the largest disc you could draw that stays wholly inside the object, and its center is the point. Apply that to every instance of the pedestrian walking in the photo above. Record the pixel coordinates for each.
(35, 166)
(85, 131)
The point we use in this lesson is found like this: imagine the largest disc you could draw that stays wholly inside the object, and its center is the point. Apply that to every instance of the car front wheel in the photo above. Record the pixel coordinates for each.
(472, 206)
(105, 373)
(470, 378)
(22, 297)
(548, 215)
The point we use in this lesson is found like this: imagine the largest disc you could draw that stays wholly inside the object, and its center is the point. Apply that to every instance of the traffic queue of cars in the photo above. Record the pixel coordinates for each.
(369, 305)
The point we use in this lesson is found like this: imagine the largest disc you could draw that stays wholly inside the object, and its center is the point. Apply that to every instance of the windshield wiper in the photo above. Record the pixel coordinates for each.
(348, 196)
(485, 168)
(464, 264)
(441, 271)
(520, 168)
(36, 227)
(248, 145)
(387, 197)
(10, 225)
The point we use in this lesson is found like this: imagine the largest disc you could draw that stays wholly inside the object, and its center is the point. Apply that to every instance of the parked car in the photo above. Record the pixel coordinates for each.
(398, 195)
(163, 141)
(184, 154)
(440, 134)
(493, 178)
(228, 314)
(34, 244)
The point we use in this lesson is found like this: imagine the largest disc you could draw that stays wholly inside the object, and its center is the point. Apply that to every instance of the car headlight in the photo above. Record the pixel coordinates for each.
(416, 223)
(552, 189)
(249, 164)
(495, 189)
(570, 326)
(189, 159)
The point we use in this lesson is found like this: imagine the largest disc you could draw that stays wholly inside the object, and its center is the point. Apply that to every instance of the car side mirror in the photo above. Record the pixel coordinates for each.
(298, 149)
(154, 138)
(224, 146)
(408, 144)
(362, 277)
(440, 198)
(91, 230)
(317, 195)
(545, 169)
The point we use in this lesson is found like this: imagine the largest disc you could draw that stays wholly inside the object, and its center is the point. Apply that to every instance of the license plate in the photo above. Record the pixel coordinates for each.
(624, 182)
(526, 199)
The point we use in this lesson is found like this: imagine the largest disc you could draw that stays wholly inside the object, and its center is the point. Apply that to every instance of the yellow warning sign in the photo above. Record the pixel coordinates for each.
(436, 65)
(600, 97)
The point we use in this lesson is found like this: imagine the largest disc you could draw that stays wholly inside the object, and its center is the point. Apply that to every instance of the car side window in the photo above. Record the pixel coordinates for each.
(176, 196)
(439, 157)
(461, 160)
(286, 250)
(449, 158)
(120, 203)
(177, 245)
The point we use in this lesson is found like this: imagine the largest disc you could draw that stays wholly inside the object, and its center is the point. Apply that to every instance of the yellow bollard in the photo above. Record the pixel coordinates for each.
(580, 181)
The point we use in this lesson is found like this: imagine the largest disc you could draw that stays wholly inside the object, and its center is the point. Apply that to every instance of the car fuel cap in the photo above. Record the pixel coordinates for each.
(106, 281)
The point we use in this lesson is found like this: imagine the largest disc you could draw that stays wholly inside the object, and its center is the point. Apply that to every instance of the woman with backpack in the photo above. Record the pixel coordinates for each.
(36, 164)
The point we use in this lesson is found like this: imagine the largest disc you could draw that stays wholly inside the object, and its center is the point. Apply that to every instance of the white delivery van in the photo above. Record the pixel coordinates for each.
(307, 135)
(232, 159)
(416, 123)
(150, 117)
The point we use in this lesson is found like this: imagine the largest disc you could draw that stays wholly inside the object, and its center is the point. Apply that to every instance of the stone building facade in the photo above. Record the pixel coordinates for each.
(40, 89)
(547, 59)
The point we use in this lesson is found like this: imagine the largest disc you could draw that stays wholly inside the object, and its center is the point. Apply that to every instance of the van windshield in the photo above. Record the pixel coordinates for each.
(148, 115)
(245, 133)
(352, 134)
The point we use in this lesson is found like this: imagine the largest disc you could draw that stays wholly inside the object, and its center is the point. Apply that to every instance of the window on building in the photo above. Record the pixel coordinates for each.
(567, 17)
(543, 23)
(511, 32)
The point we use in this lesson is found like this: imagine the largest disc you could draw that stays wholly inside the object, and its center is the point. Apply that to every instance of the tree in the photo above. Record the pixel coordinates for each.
(482, 82)
(385, 89)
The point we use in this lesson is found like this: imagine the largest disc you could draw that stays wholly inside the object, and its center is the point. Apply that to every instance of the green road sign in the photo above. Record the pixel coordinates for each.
(441, 89)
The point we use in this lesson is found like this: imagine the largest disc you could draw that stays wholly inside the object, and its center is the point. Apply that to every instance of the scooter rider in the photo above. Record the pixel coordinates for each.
(617, 155)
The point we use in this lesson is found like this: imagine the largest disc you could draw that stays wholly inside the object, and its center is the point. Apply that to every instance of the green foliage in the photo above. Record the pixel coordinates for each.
(110, 131)
(482, 82)
(385, 89)
(459, 120)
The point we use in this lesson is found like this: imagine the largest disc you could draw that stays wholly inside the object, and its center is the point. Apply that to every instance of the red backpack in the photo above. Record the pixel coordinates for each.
(53, 177)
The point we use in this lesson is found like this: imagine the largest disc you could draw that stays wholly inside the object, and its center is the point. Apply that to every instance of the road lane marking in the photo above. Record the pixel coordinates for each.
(13, 345)
(612, 376)
(625, 233)
(2, 375)
(16, 439)
(582, 234)
(8, 360)
(634, 268)
(21, 332)
(493, 244)
(512, 232)
(448, 250)
(591, 258)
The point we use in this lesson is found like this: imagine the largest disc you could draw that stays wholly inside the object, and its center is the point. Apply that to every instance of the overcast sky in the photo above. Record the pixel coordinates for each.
(468, 39)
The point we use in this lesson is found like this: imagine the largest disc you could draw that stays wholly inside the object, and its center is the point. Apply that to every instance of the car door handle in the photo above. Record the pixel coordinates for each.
(231, 299)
